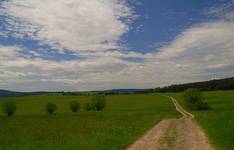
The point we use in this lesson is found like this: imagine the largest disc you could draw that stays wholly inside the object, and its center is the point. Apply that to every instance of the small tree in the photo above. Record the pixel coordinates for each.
(195, 100)
(99, 102)
(51, 108)
(88, 107)
(9, 108)
(74, 106)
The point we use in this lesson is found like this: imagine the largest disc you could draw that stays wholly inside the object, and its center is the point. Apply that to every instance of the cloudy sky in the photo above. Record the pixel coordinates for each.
(76, 45)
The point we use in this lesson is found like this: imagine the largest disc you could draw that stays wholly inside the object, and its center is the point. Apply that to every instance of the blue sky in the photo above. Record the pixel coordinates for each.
(80, 45)
(161, 21)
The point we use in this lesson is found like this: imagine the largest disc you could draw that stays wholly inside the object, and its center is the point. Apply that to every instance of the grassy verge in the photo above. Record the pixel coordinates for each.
(126, 118)
(219, 121)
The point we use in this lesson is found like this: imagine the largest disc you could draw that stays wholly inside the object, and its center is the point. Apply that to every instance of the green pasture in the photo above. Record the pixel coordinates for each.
(218, 123)
(126, 118)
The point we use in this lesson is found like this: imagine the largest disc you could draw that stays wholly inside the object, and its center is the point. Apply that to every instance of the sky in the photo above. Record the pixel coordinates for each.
(80, 45)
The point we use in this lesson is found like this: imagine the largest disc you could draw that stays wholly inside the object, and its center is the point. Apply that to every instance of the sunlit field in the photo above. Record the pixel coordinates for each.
(125, 119)
(218, 122)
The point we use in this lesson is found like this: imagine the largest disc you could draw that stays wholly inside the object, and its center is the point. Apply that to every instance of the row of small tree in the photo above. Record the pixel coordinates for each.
(98, 103)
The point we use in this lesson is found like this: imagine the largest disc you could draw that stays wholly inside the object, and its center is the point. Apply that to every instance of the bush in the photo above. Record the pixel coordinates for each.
(9, 108)
(51, 108)
(99, 102)
(195, 100)
(74, 106)
(88, 107)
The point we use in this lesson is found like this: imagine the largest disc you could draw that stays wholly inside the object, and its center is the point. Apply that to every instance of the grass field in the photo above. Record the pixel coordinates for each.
(125, 119)
(218, 122)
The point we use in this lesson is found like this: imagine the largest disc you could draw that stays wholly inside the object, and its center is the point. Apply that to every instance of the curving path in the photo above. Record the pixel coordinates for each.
(174, 134)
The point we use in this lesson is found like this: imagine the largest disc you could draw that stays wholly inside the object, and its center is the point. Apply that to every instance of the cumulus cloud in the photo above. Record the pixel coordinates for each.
(73, 74)
(9, 52)
(76, 25)
(201, 52)
(207, 48)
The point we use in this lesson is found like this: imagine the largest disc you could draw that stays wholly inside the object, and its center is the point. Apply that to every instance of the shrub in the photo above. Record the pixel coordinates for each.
(51, 108)
(99, 102)
(195, 100)
(9, 108)
(74, 106)
(88, 107)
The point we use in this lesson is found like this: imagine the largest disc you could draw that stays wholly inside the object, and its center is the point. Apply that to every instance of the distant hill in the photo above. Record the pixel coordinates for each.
(212, 85)
(5, 93)
(126, 91)
(109, 92)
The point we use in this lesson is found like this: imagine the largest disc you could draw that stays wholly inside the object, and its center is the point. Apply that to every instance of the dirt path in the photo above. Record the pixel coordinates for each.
(174, 134)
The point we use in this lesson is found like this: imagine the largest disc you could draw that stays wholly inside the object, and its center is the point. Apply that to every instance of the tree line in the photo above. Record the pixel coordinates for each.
(212, 85)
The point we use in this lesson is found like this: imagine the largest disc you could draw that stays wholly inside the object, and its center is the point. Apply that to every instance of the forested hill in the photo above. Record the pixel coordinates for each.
(212, 85)
(5, 93)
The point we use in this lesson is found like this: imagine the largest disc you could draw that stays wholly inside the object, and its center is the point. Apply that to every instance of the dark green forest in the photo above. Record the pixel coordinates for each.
(212, 85)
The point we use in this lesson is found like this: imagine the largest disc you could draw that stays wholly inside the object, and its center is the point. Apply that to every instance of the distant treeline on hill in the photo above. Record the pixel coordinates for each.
(5, 93)
(212, 85)
(109, 92)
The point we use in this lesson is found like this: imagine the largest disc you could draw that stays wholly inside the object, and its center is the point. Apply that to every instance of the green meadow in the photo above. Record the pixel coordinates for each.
(126, 118)
(218, 122)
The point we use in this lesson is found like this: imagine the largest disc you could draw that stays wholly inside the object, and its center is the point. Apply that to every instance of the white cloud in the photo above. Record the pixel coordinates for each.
(222, 11)
(77, 25)
(9, 52)
(201, 41)
(201, 52)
